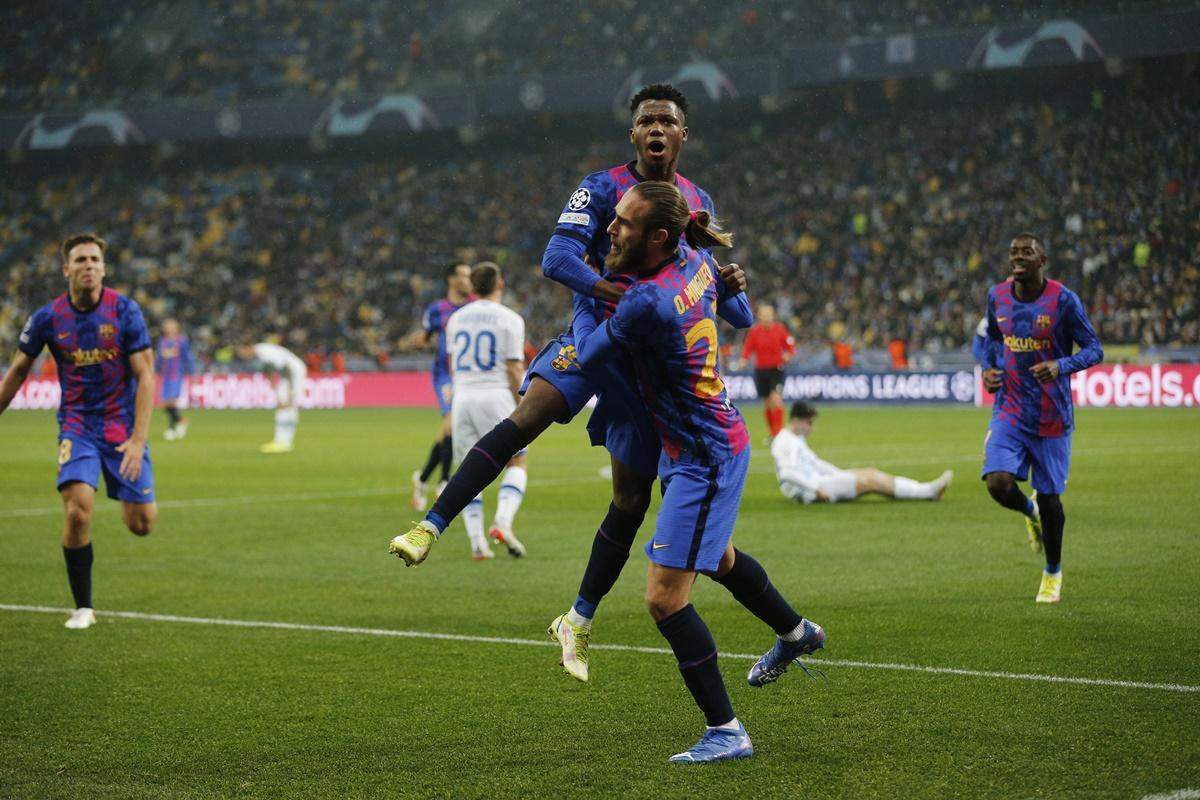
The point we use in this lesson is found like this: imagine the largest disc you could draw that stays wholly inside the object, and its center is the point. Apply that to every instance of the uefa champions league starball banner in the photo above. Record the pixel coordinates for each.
(1106, 385)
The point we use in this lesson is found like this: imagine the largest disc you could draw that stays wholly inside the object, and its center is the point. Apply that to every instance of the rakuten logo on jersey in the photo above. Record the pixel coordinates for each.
(1137, 386)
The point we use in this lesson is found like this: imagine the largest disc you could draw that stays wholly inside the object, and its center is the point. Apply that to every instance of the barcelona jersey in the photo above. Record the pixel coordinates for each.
(92, 348)
(592, 207)
(434, 322)
(1024, 334)
(667, 322)
(173, 358)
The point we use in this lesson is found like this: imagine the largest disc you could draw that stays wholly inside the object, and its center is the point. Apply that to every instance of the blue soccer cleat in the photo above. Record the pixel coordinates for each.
(717, 744)
(777, 660)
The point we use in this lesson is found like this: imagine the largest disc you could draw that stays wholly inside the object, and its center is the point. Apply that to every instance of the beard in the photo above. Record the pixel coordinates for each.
(628, 258)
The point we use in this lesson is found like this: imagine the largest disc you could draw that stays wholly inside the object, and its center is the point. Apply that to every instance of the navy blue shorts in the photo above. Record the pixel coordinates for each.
(620, 422)
(699, 509)
(1009, 449)
(81, 458)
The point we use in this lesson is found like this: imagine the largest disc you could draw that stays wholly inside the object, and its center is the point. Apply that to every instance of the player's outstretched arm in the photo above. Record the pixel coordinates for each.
(17, 373)
(141, 364)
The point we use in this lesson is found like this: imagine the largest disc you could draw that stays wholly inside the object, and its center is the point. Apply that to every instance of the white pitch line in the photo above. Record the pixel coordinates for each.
(625, 648)
(1178, 794)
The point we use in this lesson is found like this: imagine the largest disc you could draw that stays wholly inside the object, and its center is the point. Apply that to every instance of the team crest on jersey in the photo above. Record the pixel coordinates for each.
(106, 331)
(580, 199)
(1043, 321)
(565, 359)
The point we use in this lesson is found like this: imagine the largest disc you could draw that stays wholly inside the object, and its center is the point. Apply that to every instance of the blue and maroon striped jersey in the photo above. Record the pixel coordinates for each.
(667, 323)
(588, 213)
(1024, 334)
(92, 348)
(173, 358)
(434, 322)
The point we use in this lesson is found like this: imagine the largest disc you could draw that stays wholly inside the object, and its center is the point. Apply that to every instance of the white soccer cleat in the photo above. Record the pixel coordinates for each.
(170, 435)
(481, 553)
(81, 618)
(418, 493)
(181, 429)
(1050, 590)
(509, 540)
(574, 640)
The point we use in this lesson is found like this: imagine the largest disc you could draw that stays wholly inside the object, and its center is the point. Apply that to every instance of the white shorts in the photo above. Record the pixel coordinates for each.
(475, 412)
(841, 485)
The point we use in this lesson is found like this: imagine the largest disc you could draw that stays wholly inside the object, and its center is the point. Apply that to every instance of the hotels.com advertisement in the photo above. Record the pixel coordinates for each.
(1116, 385)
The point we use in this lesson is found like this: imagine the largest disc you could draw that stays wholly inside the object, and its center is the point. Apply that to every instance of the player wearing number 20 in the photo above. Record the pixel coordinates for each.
(486, 345)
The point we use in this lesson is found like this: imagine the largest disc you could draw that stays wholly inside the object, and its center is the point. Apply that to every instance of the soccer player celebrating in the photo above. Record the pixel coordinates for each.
(433, 323)
(556, 388)
(1032, 324)
(487, 364)
(291, 373)
(666, 322)
(173, 361)
(106, 369)
(806, 478)
(770, 345)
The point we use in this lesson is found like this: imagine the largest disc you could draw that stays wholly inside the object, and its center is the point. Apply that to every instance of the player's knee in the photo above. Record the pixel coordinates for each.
(999, 484)
(79, 515)
(661, 603)
(632, 497)
(140, 519)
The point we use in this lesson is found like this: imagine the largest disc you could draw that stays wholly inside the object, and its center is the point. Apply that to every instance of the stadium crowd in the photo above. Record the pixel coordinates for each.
(212, 52)
(885, 221)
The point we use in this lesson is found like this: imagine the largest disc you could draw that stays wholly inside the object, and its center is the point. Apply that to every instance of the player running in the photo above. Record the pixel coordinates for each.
(433, 323)
(487, 362)
(666, 322)
(106, 370)
(556, 388)
(1032, 324)
(173, 362)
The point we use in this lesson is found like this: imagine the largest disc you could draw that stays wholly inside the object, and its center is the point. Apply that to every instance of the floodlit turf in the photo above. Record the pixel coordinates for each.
(141, 708)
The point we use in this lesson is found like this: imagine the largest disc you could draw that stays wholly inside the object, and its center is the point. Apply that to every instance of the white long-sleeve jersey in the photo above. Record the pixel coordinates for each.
(799, 471)
(280, 358)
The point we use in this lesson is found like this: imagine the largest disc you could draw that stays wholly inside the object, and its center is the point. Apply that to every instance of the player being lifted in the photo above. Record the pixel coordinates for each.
(1032, 325)
(433, 324)
(556, 388)
(487, 362)
(173, 362)
(106, 370)
(667, 325)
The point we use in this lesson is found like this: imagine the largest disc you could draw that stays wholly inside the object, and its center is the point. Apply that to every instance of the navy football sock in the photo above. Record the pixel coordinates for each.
(482, 465)
(749, 584)
(435, 458)
(696, 652)
(173, 415)
(447, 457)
(79, 573)
(1054, 519)
(1015, 499)
(610, 551)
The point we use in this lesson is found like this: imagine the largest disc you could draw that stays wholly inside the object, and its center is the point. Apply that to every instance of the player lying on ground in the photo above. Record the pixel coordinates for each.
(806, 478)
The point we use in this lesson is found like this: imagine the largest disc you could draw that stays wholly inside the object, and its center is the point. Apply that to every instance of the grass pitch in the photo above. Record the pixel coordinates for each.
(341, 706)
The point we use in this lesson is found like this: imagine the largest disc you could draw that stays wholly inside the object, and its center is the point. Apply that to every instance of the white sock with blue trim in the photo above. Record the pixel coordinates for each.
(473, 518)
(512, 492)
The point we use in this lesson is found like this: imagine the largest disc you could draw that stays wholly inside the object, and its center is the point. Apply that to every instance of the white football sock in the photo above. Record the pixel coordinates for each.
(512, 492)
(286, 420)
(577, 619)
(908, 489)
(473, 518)
(732, 725)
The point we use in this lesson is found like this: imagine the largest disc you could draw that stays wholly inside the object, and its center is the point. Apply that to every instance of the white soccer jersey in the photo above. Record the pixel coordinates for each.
(481, 338)
(280, 358)
(799, 471)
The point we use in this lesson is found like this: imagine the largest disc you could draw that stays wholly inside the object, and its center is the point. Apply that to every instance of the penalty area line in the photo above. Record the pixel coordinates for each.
(625, 648)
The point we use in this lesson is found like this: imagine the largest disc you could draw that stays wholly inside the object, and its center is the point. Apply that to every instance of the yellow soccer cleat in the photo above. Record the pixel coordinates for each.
(415, 545)
(1033, 526)
(1051, 589)
(574, 640)
(274, 448)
